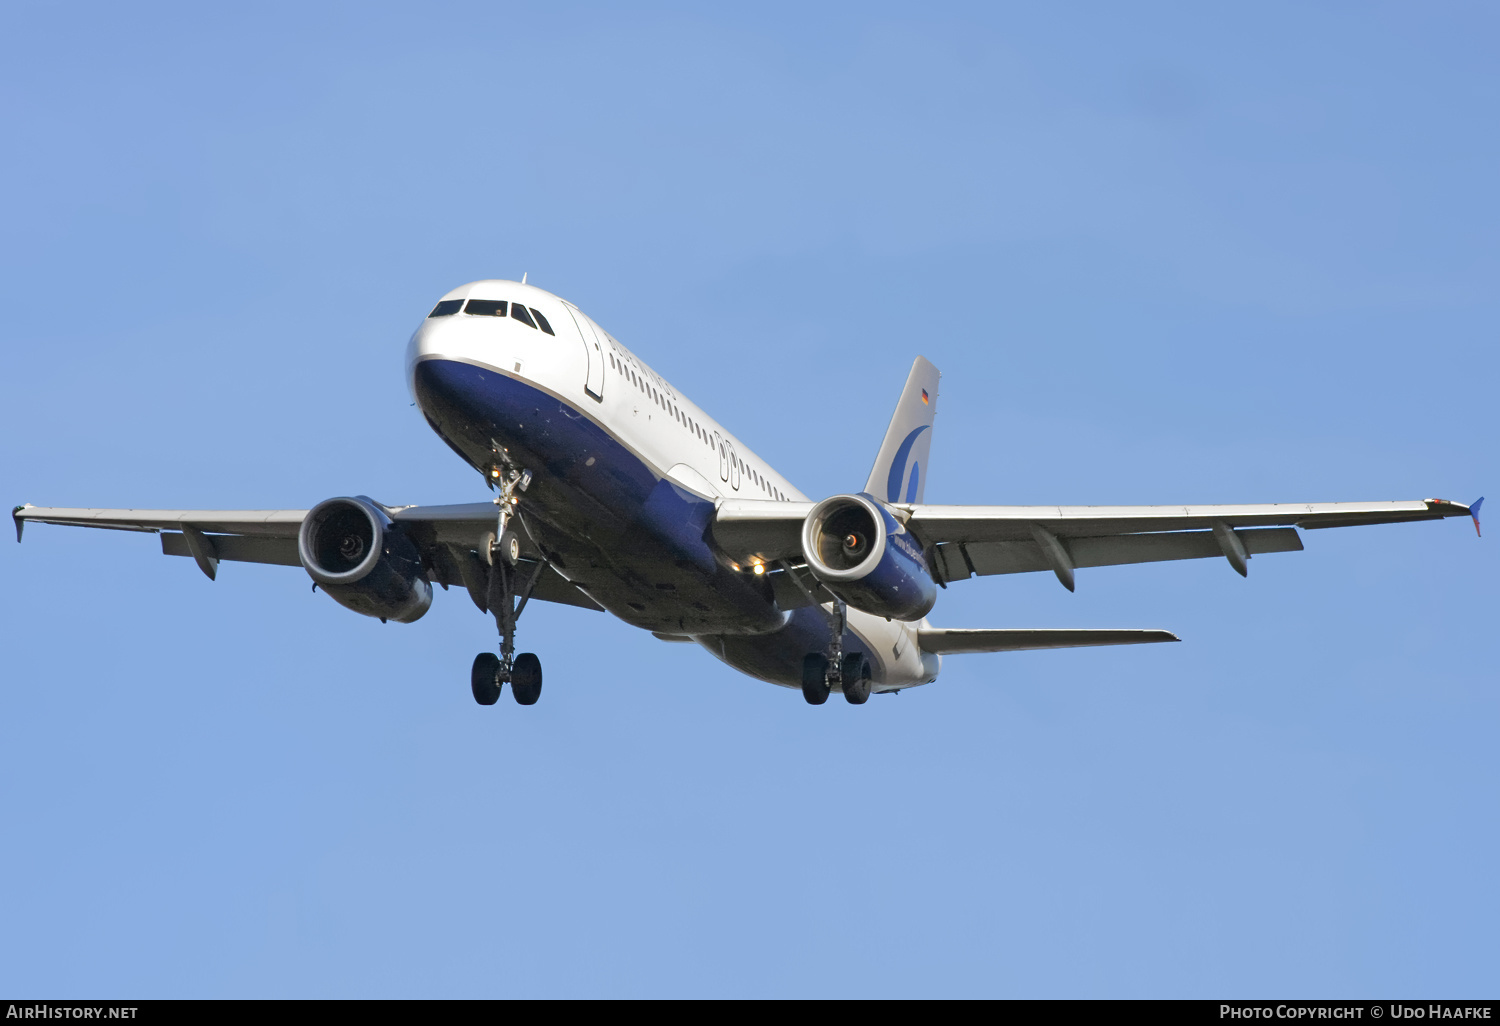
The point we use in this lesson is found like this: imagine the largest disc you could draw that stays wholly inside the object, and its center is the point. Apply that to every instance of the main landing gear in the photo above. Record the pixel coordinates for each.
(506, 596)
(525, 678)
(823, 671)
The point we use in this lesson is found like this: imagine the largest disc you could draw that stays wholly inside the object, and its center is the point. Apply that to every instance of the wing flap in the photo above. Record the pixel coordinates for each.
(959, 560)
(943, 641)
(237, 548)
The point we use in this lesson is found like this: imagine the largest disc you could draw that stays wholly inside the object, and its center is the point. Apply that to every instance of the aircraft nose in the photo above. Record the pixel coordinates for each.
(423, 343)
(423, 339)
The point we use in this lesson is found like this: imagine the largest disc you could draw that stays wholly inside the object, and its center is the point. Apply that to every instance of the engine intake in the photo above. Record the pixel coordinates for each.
(863, 555)
(363, 560)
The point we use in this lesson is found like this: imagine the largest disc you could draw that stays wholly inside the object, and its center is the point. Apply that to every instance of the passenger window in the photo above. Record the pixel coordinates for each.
(486, 308)
(518, 312)
(447, 308)
(541, 321)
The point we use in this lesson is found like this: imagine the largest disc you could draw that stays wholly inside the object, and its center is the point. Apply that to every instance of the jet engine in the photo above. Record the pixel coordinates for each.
(363, 560)
(863, 555)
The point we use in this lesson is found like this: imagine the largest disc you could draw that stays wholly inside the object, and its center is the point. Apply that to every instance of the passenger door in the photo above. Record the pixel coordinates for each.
(734, 466)
(723, 448)
(593, 384)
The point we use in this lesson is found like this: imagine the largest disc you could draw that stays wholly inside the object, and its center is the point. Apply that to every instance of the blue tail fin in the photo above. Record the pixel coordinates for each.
(900, 471)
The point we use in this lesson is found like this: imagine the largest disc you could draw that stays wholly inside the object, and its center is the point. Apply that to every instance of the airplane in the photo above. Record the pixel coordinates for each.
(615, 492)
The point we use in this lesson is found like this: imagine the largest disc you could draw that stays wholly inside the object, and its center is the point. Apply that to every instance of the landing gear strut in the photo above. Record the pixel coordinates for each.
(506, 596)
(830, 661)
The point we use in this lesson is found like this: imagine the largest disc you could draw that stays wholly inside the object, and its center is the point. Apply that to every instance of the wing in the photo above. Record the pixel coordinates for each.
(446, 535)
(967, 541)
(947, 641)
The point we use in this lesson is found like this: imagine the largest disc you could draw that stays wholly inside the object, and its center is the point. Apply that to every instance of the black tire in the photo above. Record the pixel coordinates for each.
(815, 678)
(856, 679)
(484, 678)
(526, 679)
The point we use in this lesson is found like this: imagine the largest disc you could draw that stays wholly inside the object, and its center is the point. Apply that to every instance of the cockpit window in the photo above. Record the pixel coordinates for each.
(486, 307)
(447, 308)
(519, 313)
(541, 321)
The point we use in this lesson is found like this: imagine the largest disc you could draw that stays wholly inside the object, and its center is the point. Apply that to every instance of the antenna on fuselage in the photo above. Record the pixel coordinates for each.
(523, 277)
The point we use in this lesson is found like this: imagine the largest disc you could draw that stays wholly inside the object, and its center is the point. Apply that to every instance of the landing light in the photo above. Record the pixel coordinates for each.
(759, 569)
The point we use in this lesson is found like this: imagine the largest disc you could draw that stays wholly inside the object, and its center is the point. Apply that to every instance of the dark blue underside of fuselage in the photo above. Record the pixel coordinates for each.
(634, 542)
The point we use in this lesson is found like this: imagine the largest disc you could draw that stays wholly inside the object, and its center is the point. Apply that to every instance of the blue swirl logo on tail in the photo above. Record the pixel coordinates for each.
(898, 469)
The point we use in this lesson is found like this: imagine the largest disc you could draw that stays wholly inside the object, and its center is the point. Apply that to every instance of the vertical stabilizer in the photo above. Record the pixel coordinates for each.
(900, 472)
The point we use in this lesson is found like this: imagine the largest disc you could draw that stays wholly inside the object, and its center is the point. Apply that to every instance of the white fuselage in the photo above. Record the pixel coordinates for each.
(593, 376)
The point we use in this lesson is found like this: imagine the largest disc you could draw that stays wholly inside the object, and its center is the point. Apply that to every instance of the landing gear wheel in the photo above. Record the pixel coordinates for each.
(507, 547)
(815, 678)
(856, 679)
(526, 679)
(510, 547)
(484, 678)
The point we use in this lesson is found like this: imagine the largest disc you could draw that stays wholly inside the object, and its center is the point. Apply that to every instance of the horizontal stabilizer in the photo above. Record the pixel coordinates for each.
(953, 642)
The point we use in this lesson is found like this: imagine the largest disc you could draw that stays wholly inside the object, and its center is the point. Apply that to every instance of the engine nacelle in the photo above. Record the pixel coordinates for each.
(363, 560)
(864, 556)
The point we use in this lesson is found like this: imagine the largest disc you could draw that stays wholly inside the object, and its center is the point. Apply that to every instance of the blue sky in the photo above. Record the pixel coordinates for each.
(1162, 253)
